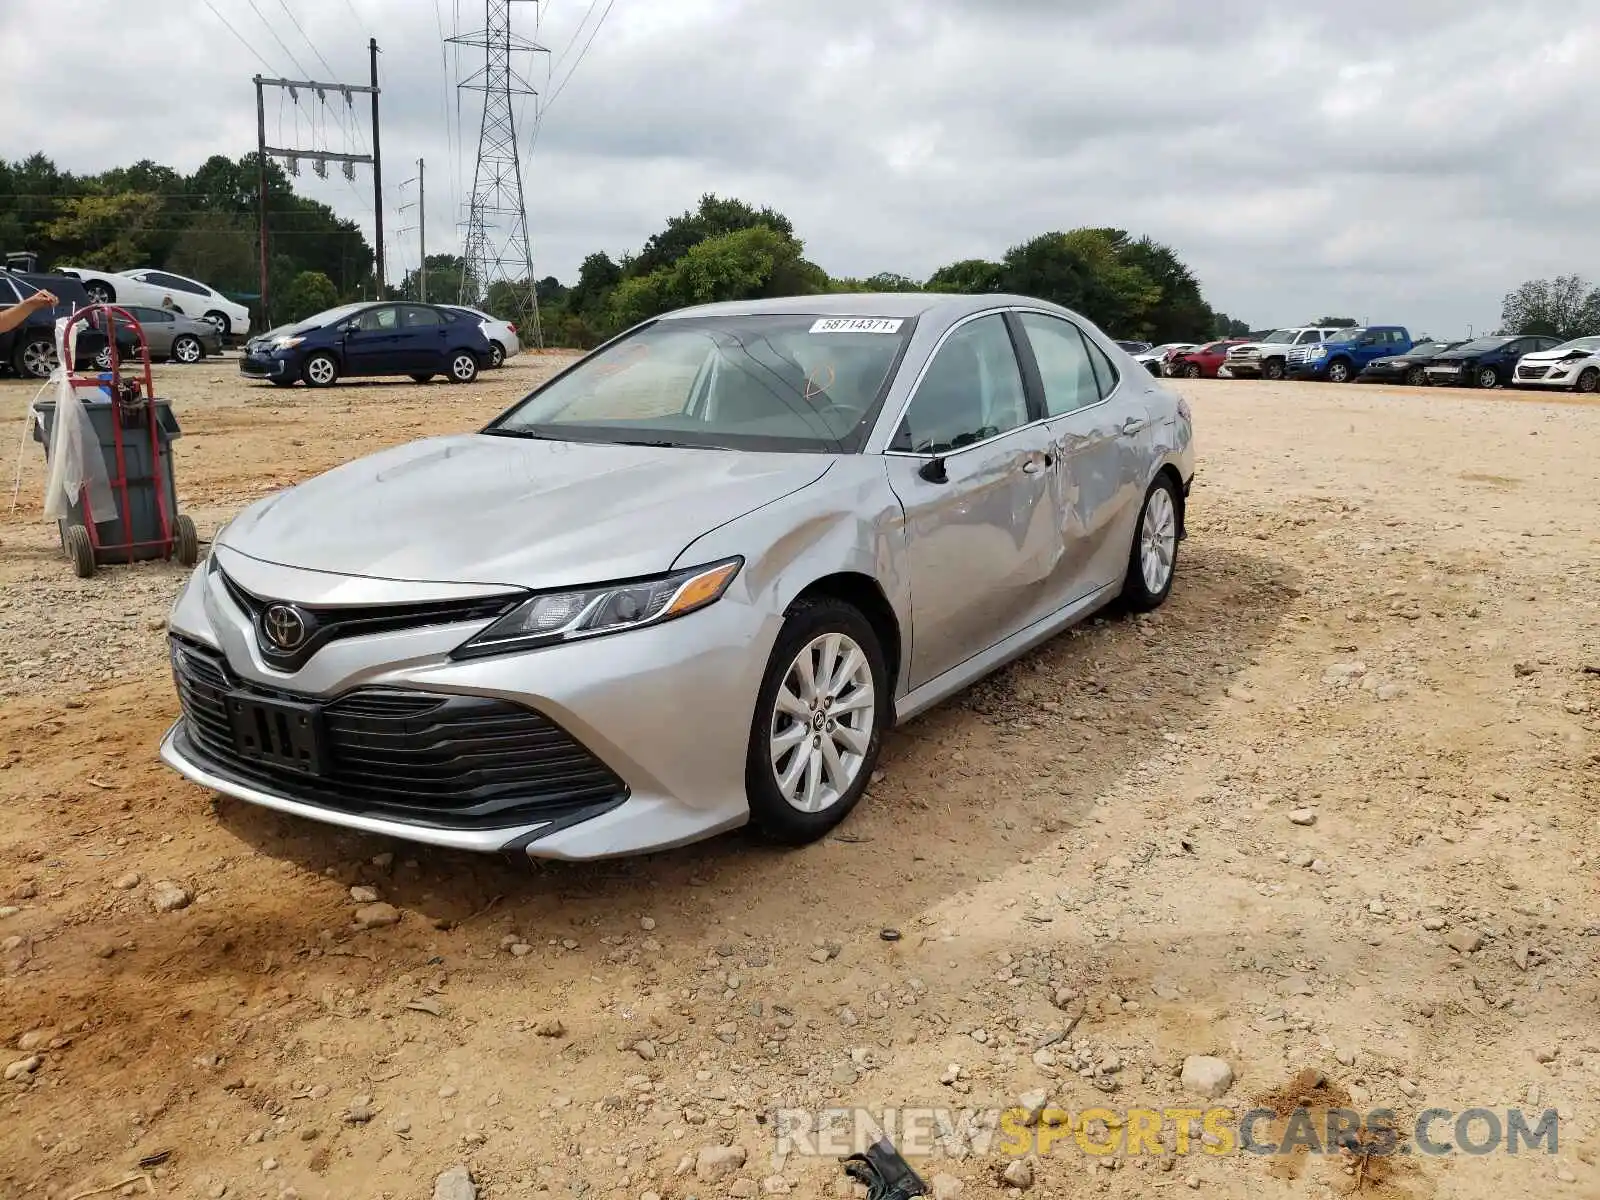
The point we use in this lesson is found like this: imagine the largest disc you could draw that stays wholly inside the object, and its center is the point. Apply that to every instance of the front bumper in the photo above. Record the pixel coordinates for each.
(266, 366)
(1249, 368)
(1565, 381)
(666, 709)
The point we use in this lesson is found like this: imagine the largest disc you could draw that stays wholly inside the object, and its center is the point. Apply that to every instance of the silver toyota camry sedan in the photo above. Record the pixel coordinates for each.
(687, 584)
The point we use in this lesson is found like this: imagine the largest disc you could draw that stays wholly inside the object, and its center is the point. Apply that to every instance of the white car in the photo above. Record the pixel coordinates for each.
(1268, 358)
(502, 335)
(1574, 364)
(149, 288)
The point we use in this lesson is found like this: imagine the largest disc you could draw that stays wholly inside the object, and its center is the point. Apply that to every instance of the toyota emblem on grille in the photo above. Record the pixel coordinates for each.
(284, 627)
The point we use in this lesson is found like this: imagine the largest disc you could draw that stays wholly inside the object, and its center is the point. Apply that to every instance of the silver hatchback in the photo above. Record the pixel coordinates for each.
(687, 584)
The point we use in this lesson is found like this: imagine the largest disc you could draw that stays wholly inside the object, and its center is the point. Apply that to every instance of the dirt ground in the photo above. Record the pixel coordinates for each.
(1333, 807)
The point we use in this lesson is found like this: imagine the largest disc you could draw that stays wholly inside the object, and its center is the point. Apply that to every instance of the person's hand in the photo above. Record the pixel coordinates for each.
(42, 299)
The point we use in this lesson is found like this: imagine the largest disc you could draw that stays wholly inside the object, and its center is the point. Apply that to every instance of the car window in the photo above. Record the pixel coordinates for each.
(378, 320)
(417, 317)
(972, 390)
(8, 294)
(1064, 366)
(1105, 370)
(177, 282)
(147, 316)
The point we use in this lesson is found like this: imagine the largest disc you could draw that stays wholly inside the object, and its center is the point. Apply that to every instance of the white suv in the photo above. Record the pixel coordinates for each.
(149, 288)
(1265, 359)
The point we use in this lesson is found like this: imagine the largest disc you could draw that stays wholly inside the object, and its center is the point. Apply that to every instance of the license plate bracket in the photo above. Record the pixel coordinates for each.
(278, 733)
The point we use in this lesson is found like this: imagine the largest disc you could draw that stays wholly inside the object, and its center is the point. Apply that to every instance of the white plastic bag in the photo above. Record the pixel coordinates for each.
(76, 465)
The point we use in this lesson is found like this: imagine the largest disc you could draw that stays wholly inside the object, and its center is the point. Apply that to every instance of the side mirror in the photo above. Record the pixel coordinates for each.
(933, 471)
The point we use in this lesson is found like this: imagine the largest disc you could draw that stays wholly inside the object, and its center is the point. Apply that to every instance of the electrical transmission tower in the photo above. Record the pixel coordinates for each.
(497, 247)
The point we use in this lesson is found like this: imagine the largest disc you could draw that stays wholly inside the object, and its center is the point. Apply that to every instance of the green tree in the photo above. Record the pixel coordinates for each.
(748, 263)
(1180, 314)
(713, 217)
(221, 249)
(969, 277)
(310, 293)
(1337, 322)
(111, 228)
(1563, 307)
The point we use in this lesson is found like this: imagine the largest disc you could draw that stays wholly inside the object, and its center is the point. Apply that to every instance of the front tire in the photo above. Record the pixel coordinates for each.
(1272, 369)
(463, 367)
(819, 721)
(1192, 371)
(1417, 377)
(421, 377)
(1488, 377)
(1339, 371)
(1153, 559)
(320, 370)
(1588, 380)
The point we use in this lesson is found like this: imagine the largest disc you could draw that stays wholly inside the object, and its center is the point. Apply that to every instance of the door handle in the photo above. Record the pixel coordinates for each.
(1133, 425)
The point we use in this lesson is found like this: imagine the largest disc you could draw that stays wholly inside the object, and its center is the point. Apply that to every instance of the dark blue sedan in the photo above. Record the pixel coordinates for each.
(418, 340)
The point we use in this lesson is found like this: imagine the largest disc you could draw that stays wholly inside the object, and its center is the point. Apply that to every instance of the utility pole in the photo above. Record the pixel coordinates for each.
(319, 157)
(422, 230)
(261, 171)
(377, 169)
(497, 248)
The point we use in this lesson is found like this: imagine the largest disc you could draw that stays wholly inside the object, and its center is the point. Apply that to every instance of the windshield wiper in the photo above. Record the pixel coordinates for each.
(507, 431)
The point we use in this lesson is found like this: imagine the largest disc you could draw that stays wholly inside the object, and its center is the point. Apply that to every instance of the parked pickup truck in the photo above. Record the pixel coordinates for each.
(1341, 357)
(1268, 358)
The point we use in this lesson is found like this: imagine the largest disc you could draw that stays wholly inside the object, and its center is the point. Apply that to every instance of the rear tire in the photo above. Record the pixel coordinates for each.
(320, 370)
(821, 755)
(186, 548)
(80, 551)
(220, 320)
(187, 349)
(35, 358)
(497, 355)
(100, 291)
(1153, 557)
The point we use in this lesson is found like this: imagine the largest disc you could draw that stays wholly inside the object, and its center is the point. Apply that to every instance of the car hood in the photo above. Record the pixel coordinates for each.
(1550, 356)
(481, 509)
(1460, 356)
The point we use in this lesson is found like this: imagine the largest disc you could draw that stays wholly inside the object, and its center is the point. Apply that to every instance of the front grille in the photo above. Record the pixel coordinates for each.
(425, 758)
(327, 624)
(1525, 372)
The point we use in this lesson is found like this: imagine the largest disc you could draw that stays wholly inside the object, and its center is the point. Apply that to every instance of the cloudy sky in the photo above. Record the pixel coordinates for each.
(1391, 160)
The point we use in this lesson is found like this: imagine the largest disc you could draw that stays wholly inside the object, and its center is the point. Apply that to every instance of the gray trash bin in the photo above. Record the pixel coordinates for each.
(134, 532)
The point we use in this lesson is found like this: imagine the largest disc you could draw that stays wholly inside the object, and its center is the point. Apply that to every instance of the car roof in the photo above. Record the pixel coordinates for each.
(863, 304)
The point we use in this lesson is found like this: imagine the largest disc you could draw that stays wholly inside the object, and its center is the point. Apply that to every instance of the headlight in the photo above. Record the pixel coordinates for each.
(554, 617)
(1319, 352)
(286, 343)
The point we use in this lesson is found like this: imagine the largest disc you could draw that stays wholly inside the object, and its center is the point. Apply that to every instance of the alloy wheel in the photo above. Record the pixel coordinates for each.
(1488, 378)
(187, 350)
(1158, 540)
(497, 355)
(1589, 381)
(39, 359)
(822, 722)
(1338, 373)
(102, 359)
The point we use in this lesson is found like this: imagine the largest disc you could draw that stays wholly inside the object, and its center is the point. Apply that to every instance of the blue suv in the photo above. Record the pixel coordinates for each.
(383, 338)
(1341, 357)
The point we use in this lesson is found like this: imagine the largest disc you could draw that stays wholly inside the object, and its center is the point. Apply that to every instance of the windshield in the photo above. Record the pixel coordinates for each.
(1483, 344)
(1286, 336)
(1422, 348)
(760, 382)
(1588, 345)
(330, 317)
(1344, 335)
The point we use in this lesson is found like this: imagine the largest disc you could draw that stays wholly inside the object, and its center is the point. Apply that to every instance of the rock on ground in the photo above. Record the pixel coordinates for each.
(1207, 1076)
(455, 1184)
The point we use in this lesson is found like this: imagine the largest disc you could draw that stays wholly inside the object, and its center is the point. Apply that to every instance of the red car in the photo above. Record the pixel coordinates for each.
(1202, 360)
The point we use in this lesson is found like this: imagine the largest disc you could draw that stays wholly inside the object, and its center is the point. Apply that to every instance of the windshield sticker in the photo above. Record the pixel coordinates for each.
(857, 325)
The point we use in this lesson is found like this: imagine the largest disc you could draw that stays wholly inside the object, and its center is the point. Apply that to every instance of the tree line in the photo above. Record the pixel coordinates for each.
(203, 225)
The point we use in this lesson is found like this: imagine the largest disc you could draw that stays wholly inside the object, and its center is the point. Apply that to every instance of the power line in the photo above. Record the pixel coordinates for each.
(276, 38)
(295, 21)
(538, 122)
(238, 35)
